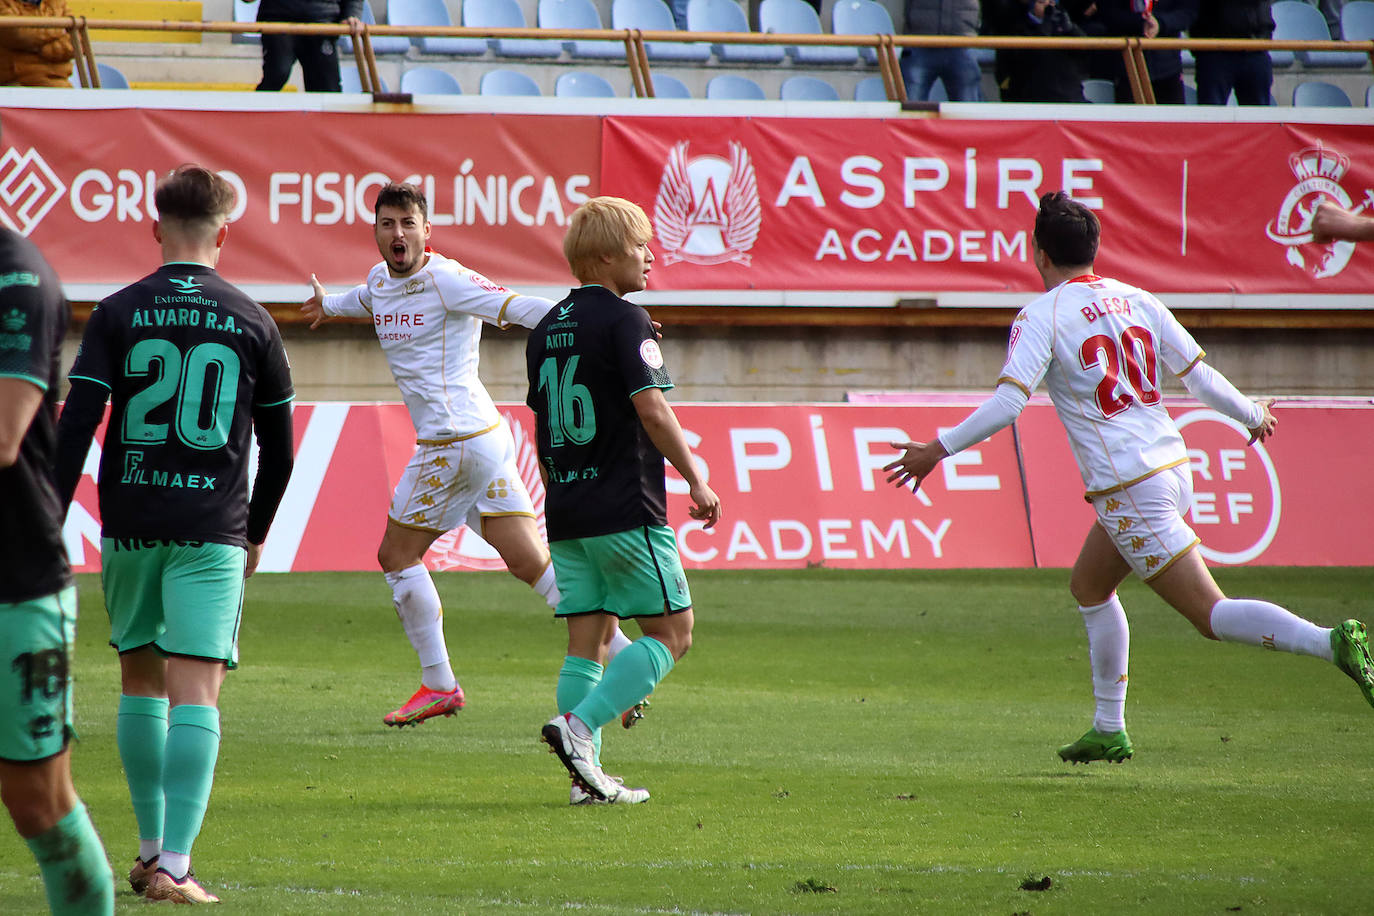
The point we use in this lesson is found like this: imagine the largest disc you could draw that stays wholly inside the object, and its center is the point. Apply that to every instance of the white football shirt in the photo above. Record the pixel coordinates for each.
(430, 325)
(1101, 346)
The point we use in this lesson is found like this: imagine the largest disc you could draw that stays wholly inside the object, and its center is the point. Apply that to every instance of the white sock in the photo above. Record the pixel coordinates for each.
(176, 864)
(422, 617)
(148, 850)
(1260, 623)
(618, 641)
(546, 587)
(1109, 649)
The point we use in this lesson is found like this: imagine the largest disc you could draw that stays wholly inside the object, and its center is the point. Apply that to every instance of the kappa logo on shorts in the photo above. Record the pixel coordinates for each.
(29, 188)
(1319, 171)
(707, 210)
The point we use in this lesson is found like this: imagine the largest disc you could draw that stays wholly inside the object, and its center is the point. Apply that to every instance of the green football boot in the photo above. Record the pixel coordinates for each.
(1112, 746)
(1350, 651)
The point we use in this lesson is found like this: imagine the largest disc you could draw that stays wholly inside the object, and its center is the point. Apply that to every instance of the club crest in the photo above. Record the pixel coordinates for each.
(1318, 171)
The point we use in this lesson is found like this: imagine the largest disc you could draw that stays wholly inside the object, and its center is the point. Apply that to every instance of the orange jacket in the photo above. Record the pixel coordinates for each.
(35, 57)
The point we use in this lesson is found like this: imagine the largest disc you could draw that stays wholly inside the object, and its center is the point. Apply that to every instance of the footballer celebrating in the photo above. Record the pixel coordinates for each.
(1100, 347)
(428, 312)
(597, 379)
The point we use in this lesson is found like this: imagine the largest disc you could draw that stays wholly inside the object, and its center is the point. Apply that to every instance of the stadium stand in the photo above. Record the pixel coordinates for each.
(1101, 92)
(508, 82)
(248, 12)
(670, 87)
(654, 16)
(732, 86)
(808, 89)
(1316, 93)
(381, 44)
(349, 80)
(578, 14)
(870, 89)
(110, 77)
(796, 17)
(506, 14)
(728, 16)
(861, 17)
(430, 81)
(581, 85)
(1296, 20)
(432, 12)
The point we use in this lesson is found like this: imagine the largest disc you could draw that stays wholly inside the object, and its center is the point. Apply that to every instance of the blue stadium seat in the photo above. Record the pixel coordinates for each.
(1369, 97)
(110, 78)
(1102, 92)
(381, 44)
(246, 12)
(578, 14)
(507, 82)
(506, 14)
(1357, 20)
(430, 81)
(349, 80)
(670, 87)
(1302, 21)
(576, 84)
(728, 16)
(870, 89)
(1318, 94)
(654, 16)
(730, 86)
(861, 17)
(432, 12)
(807, 89)
(797, 17)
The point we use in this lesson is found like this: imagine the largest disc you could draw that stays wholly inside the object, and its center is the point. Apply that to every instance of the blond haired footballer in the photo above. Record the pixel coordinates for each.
(1101, 346)
(428, 312)
(604, 428)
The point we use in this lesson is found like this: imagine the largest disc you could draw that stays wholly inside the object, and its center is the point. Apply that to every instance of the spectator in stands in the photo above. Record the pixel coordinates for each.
(318, 54)
(956, 68)
(35, 57)
(1035, 76)
(1250, 74)
(1144, 19)
(1331, 9)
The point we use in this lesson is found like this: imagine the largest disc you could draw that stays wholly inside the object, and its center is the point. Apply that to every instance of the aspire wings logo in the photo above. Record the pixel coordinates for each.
(707, 210)
(1319, 171)
(28, 190)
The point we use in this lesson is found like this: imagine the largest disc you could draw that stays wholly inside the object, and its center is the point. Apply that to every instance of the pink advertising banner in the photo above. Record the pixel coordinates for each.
(802, 484)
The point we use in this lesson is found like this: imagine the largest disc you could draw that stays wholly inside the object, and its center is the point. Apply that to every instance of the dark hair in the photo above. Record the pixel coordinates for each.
(1066, 231)
(401, 195)
(192, 194)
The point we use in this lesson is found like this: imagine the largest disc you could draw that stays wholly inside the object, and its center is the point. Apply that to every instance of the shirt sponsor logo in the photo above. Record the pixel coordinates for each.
(1319, 171)
(707, 210)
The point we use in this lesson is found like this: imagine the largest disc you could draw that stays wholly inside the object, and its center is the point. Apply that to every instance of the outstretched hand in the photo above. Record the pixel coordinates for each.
(1267, 423)
(917, 461)
(313, 308)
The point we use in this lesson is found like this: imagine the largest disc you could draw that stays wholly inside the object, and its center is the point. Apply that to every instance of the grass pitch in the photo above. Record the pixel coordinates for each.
(836, 742)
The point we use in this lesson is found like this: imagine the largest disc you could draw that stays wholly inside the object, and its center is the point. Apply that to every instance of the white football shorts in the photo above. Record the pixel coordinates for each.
(463, 481)
(1145, 520)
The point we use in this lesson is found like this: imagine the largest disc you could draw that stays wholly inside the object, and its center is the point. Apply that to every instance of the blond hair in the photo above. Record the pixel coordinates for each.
(603, 226)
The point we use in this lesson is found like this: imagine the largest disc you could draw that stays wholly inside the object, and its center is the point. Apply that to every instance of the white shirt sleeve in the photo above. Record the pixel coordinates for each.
(466, 291)
(1213, 389)
(996, 413)
(356, 303)
(525, 311)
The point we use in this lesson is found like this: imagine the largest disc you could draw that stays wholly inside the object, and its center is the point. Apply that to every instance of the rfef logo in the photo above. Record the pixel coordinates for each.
(1318, 171)
(28, 190)
(1237, 503)
(707, 210)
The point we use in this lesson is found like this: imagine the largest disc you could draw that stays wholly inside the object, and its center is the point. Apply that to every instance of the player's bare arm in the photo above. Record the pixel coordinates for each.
(313, 308)
(666, 434)
(1334, 222)
(917, 461)
(19, 401)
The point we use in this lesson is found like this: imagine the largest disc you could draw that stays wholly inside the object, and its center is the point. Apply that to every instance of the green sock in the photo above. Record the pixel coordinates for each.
(578, 678)
(76, 875)
(141, 734)
(630, 677)
(188, 772)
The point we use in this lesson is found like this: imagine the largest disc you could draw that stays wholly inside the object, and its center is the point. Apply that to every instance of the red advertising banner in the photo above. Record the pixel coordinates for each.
(763, 203)
(802, 484)
(79, 183)
(943, 205)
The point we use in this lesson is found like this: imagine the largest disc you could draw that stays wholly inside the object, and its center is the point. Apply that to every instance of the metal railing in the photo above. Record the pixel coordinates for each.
(887, 48)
